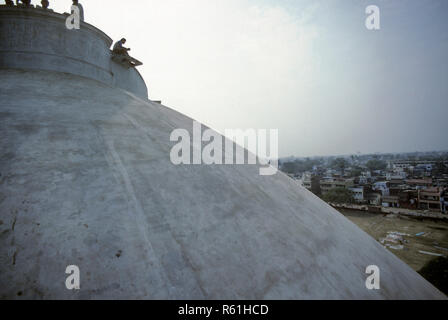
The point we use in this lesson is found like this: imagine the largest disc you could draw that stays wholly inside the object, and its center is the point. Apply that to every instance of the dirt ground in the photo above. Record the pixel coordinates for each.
(399, 235)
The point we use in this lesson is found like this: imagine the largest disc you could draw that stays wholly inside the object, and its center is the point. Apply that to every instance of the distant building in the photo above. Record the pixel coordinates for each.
(407, 164)
(429, 199)
(381, 186)
(362, 180)
(358, 193)
(396, 184)
(367, 174)
(402, 165)
(424, 166)
(327, 185)
(408, 199)
(396, 175)
(311, 182)
(373, 198)
(391, 201)
(419, 183)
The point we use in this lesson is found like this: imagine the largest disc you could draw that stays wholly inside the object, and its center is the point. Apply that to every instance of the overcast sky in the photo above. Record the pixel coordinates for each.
(309, 68)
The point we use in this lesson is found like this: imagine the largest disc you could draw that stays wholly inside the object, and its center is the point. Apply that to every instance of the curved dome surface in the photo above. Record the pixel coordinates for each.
(86, 180)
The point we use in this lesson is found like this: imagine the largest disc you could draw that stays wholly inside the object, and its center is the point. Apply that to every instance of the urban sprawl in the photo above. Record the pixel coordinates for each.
(416, 181)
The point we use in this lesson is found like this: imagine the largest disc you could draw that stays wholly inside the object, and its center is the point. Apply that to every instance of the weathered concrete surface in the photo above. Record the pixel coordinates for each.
(86, 179)
(38, 39)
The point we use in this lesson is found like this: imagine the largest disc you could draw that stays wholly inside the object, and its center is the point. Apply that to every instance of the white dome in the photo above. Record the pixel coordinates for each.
(86, 180)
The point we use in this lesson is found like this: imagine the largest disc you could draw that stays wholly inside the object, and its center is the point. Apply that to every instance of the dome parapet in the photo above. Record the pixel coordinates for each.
(37, 38)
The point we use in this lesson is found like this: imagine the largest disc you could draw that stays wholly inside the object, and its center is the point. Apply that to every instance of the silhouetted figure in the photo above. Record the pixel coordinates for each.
(45, 4)
(81, 9)
(119, 49)
(9, 3)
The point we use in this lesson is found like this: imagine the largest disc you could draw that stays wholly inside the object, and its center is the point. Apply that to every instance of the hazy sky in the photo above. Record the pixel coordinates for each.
(309, 68)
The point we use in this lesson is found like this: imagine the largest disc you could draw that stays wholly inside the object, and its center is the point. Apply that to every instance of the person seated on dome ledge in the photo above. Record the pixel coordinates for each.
(119, 49)
(120, 55)
(9, 3)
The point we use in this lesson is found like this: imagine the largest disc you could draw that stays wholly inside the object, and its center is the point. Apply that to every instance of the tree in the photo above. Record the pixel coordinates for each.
(289, 167)
(439, 167)
(435, 271)
(375, 164)
(356, 172)
(340, 164)
(339, 195)
(299, 166)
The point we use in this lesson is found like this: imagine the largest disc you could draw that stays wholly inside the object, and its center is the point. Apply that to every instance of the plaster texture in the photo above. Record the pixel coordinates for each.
(86, 180)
